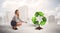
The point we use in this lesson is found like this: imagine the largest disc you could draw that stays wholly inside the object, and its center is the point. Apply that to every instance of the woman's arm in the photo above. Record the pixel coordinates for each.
(22, 21)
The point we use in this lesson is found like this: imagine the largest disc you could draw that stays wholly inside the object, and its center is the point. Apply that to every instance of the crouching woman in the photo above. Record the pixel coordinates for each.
(16, 21)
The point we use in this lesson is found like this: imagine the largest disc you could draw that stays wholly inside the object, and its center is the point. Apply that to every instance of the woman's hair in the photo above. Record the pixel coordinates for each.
(16, 11)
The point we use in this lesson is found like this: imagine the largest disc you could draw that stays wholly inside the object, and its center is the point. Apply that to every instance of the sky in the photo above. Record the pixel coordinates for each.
(47, 6)
(51, 3)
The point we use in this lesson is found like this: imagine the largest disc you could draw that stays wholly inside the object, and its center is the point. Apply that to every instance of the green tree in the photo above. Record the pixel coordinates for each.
(34, 19)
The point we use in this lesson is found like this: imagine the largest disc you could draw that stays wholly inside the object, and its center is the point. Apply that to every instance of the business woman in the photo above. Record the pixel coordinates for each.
(16, 21)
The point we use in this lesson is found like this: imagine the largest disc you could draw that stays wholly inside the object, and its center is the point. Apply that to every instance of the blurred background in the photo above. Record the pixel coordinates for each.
(27, 8)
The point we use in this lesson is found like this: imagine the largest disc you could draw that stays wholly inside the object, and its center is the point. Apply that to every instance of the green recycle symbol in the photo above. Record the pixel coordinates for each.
(42, 22)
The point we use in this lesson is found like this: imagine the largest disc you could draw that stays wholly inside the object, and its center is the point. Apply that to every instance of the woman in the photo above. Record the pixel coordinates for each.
(16, 21)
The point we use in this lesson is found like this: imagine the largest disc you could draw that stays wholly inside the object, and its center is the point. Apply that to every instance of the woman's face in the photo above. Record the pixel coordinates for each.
(17, 12)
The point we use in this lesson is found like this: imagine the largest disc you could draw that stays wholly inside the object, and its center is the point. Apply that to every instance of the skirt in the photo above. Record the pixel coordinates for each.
(13, 23)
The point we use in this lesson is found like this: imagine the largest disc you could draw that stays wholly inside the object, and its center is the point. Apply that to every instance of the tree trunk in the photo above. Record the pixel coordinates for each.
(39, 28)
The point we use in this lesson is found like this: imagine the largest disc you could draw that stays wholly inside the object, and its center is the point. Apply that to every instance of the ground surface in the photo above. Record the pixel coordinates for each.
(30, 28)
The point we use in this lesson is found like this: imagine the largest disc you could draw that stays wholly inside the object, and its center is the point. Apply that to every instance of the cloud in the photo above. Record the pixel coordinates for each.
(33, 6)
(38, 4)
(11, 5)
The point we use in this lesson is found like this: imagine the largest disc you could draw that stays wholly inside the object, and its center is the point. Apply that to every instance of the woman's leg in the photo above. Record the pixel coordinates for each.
(13, 24)
(14, 27)
(19, 23)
